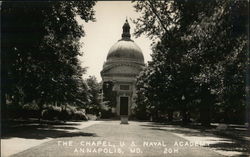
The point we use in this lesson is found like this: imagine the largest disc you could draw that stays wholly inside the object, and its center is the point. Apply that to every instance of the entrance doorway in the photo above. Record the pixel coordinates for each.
(124, 106)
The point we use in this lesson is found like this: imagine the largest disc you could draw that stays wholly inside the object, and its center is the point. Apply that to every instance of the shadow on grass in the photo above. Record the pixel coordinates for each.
(181, 131)
(31, 129)
(236, 146)
(19, 122)
(236, 132)
(233, 138)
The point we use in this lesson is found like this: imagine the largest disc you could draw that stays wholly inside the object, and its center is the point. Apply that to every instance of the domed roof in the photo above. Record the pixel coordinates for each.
(125, 49)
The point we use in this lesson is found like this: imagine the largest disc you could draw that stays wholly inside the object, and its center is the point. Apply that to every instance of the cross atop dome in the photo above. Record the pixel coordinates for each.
(126, 30)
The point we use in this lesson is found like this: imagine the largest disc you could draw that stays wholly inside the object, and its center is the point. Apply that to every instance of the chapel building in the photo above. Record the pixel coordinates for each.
(123, 64)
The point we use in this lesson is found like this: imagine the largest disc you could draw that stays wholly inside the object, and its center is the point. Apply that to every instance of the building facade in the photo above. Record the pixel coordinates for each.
(123, 64)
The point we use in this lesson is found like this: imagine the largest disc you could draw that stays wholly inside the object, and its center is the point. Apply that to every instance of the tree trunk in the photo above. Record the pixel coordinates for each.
(226, 116)
(248, 89)
(205, 114)
(40, 114)
(170, 115)
(156, 115)
(205, 107)
(4, 111)
(40, 105)
(64, 112)
(184, 116)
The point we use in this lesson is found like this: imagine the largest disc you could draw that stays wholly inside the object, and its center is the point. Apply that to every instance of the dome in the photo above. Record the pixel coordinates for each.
(125, 50)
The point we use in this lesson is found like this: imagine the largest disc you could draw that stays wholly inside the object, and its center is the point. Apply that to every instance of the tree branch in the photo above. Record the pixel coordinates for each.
(157, 16)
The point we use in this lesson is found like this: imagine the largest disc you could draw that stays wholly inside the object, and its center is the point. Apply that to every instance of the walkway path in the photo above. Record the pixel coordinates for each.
(109, 138)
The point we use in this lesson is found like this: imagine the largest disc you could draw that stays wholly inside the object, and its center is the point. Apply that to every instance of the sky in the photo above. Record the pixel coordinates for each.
(106, 31)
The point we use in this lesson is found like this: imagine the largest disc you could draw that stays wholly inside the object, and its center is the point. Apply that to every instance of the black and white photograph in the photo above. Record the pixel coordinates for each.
(126, 78)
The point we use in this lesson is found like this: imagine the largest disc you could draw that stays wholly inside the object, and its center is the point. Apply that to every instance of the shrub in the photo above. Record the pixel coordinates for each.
(30, 110)
(72, 113)
(14, 110)
(79, 115)
(51, 112)
(107, 114)
(23, 111)
(66, 114)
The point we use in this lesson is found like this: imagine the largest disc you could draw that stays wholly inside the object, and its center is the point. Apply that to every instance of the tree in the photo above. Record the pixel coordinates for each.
(41, 46)
(219, 49)
(195, 42)
(144, 109)
(94, 91)
(169, 73)
(109, 95)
